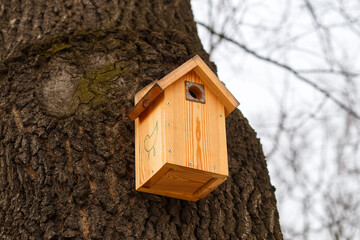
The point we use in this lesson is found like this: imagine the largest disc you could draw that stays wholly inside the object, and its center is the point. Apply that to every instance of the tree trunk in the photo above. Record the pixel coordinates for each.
(68, 74)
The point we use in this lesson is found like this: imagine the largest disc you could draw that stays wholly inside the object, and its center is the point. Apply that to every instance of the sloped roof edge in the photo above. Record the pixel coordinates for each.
(149, 93)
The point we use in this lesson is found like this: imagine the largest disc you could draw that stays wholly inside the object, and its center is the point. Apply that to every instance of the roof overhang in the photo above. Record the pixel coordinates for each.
(149, 93)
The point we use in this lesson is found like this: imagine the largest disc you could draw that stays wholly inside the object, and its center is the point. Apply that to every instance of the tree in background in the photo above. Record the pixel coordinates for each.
(303, 56)
(68, 74)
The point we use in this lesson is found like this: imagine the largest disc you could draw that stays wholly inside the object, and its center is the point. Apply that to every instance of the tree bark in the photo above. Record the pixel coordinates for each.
(68, 74)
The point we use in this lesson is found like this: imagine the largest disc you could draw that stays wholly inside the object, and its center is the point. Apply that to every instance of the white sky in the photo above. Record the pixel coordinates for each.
(263, 90)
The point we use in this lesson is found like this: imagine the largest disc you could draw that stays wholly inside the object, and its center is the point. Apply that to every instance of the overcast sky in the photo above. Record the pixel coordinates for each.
(265, 91)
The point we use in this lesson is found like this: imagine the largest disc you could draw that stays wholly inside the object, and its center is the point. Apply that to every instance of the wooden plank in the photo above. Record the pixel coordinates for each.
(137, 155)
(151, 91)
(145, 101)
(187, 197)
(149, 141)
(175, 116)
(214, 137)
(182, 183)
(147, 187)
(140, 94)
(156, 177)
(177, 73)
(197, 135)
(209, 187)
(205, 186)
(219, 89)
(196, 171)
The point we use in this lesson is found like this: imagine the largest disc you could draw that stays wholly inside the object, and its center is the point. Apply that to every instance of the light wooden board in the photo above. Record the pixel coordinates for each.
(149, 141)
(150, 92)
(196, 135)
(183, 183)
(140, 94)
(177, 73)
(216, 86)
(148, 98)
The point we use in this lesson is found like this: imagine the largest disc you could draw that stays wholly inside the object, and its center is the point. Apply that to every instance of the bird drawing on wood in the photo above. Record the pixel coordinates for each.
(150, 141)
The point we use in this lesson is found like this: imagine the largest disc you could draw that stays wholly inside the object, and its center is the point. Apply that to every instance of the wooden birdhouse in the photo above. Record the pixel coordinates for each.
(180, 136)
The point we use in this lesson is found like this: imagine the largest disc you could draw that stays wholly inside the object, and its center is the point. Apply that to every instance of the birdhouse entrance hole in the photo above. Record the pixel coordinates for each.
(194, 92)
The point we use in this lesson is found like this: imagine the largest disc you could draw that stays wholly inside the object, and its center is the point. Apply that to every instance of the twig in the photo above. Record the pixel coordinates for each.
(286, 67)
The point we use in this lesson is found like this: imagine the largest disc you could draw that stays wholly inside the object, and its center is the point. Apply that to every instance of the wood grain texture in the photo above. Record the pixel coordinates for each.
(216, 86)
(145, 101)
(181, 182)
(150, 92)
(140, 94)
(197, 134)
(150, 141)
(192, 136)
(177, 73)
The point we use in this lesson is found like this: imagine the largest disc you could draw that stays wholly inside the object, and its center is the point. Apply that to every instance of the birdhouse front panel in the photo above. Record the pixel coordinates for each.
(196, 131)
(180, 135)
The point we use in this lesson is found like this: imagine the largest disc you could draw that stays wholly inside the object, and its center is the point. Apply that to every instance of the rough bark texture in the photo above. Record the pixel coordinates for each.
(68, 74)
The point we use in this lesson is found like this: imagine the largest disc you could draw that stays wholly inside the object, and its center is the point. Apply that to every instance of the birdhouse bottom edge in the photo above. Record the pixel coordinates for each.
(182, 182)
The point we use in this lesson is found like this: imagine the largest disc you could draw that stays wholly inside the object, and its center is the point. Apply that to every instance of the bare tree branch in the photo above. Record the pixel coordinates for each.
(329, 71)
(286, 67)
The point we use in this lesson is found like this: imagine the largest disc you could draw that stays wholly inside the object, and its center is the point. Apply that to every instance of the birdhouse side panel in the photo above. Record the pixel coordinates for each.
(197, 136)
(149, 141)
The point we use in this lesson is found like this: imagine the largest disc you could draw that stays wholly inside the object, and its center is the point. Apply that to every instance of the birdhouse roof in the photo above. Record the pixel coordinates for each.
(149, 93)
